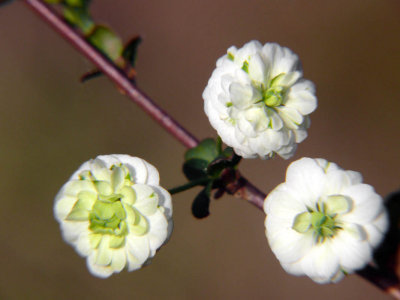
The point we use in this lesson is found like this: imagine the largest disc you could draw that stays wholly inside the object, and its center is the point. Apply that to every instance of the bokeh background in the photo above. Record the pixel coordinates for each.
(50, 123)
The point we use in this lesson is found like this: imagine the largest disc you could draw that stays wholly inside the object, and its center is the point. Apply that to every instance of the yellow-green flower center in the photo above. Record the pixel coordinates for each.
(108, 218)
(274, 94)
(107, 201)
(323, 221)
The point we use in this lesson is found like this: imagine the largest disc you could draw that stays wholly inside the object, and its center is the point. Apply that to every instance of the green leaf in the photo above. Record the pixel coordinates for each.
(91, 75)
(205, 163)
(218, 142)
(206, 150)
(217, 165)
(75, 2)
(223, 162)
(228, 151)
(130, 50)
(201, 204)
(195, 168)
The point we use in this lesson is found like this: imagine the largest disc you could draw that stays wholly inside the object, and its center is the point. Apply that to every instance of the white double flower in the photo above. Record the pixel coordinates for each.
(323, 222)
(258, 101)
(113, 211)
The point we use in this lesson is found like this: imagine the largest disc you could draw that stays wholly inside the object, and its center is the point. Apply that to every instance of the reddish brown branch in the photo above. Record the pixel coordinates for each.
(250, 193)
(243, 188)
(240, 187)
(387, 282)
(112, 72)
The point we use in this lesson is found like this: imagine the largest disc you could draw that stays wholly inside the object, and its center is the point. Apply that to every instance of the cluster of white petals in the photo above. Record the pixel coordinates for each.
(113, 211)
(258, 101)
(323, 222)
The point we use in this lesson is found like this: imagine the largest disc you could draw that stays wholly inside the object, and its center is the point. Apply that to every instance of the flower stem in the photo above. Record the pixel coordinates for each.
(188, 185)
(244, 189)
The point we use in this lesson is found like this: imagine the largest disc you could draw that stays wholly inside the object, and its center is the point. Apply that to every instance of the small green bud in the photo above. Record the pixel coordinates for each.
(79, 17)
(206, 150)
(273, 97)
(75, 2)
(106, 41)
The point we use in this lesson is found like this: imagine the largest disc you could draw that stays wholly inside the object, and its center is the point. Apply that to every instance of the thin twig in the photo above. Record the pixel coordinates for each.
(250, 193)
(189, 185)
(113, 72)
(388, 282)
(244, 189)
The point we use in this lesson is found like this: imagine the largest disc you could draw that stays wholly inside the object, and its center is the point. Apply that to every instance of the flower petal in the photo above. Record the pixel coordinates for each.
(257, 119)
(104, 253)
(275, 121)
(336, 182)
(288, 245)
(138, 247)
(164, 200)
(290, 116)
(158, 231)
(367, 204)
(118, 260)
(302, 97)
(63, 205)
(353, 254)
(321, 263)
(281, 59)
(257, 69)
(307, 179)
(72, 230)
(95, 269)
(241, 95)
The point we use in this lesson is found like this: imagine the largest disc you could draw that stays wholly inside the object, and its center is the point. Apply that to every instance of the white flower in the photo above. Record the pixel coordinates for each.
(113, 211)
(258, 101)
(323, 222)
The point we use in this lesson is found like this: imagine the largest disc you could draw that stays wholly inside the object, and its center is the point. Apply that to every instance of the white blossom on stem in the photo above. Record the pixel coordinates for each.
(323, 222)
(258, 101)
(113, 212)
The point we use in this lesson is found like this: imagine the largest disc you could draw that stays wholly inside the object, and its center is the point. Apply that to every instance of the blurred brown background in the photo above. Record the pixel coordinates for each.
(50, 123)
